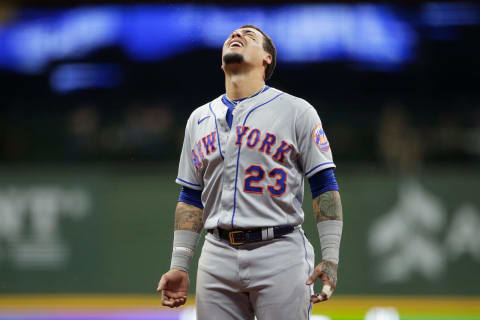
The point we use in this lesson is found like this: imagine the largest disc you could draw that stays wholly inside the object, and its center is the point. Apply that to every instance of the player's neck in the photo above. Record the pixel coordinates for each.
(240, 86)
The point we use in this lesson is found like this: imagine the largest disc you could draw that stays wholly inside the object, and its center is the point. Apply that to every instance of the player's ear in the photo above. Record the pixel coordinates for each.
(267, 59)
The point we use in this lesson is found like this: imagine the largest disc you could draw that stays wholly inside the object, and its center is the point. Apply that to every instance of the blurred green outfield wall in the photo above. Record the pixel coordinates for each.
(94, 229)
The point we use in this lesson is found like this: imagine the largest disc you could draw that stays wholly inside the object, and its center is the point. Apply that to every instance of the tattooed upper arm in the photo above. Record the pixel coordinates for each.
(188, 217)
(328, 206)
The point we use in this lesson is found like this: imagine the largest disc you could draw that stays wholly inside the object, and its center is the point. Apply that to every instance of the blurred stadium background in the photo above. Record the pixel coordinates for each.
(94, 98)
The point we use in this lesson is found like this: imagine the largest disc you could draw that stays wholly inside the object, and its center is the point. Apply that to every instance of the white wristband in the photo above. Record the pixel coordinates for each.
(330, 233)
(184, 244)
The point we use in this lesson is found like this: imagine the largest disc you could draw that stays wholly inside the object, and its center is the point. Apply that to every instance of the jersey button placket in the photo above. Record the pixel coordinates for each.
(226, 202)
(239, 114)
(229, 170)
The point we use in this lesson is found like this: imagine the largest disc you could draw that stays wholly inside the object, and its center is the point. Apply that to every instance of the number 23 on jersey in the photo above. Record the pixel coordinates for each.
(253, 183)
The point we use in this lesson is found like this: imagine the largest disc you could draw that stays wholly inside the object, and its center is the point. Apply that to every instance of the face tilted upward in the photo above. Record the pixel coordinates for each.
(245, 46)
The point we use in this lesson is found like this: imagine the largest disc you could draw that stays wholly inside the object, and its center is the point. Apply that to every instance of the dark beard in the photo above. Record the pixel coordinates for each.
(232, 58)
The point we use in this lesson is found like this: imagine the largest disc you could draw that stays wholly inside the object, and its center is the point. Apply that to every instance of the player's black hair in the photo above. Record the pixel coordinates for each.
(269, 47)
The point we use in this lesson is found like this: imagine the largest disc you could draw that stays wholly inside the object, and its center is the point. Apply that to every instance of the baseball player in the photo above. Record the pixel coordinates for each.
(242, 168)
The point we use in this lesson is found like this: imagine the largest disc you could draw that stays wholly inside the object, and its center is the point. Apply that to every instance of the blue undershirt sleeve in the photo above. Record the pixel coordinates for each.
(191, 197)
(322, 181)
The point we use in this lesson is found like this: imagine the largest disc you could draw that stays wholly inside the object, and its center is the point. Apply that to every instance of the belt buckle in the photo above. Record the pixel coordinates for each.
(232, 238)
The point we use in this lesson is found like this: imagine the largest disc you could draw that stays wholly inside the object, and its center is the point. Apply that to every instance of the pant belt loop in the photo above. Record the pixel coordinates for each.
(270, 233)
(267, 233)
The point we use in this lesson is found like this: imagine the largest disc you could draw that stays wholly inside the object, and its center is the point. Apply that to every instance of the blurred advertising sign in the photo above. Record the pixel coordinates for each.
(30, 233)
(416, 238)
(374, 34)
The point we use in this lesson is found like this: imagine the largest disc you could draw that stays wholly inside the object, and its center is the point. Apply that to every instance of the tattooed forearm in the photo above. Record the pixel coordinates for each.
(328, 206)
(330, 270)
(188, 217)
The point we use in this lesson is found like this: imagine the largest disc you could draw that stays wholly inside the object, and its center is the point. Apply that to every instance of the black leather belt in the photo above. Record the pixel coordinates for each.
(238, 237)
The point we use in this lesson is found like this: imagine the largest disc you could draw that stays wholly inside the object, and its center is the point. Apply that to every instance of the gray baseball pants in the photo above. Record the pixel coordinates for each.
(264, 279)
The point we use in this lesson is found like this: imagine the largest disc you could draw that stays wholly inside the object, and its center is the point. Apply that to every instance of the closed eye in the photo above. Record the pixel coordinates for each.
(251, 35)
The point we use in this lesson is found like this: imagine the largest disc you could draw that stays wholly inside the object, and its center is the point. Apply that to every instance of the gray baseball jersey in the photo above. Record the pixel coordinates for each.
(252, 175)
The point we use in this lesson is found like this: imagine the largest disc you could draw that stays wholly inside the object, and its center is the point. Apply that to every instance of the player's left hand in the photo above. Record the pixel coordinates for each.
(327, 272)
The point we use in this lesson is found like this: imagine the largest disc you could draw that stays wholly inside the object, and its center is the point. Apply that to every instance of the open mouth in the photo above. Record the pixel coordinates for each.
(236, 44)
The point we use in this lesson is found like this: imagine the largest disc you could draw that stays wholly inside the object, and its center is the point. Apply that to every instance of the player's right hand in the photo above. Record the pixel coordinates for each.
(174, 287)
